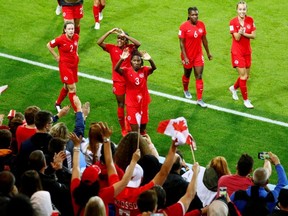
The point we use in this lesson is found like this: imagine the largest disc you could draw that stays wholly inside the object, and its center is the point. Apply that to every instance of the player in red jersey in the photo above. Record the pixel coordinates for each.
(192, 35)
(137, 95)
(98, 6)
(242, 29)
(72, 10)
(119, 86)
(68, 60)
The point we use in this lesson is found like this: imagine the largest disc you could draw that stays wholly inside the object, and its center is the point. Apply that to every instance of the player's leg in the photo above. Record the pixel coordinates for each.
(198, 72)
(186, 81)
(96, 12)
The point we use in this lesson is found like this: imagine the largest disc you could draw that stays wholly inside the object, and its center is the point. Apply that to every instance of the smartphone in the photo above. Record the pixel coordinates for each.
(223, 192)
(263, 155)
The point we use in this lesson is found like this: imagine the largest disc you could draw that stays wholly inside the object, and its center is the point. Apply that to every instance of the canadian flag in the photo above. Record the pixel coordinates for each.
(177, 129)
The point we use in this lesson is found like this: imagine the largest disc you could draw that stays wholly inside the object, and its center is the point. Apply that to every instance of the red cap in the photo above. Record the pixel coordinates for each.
(90, 174)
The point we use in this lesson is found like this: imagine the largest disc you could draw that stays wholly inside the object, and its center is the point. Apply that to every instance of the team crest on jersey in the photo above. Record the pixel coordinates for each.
(141, 75)
(75, 43)
(236, 62)
(200, 30)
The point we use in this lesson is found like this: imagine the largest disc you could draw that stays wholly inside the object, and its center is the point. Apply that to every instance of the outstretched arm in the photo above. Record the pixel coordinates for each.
(192, 187)
(119, 186)
(76, 155)
(161, 176)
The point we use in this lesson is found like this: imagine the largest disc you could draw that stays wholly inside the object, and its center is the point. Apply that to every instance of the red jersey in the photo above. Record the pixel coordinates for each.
(242, 46)
(115, 53)
(126, 202)
(176, 209)
(234, 183)
(192, 35)
(68, 49)
(136, 86)
(106, 194)
(23, 133)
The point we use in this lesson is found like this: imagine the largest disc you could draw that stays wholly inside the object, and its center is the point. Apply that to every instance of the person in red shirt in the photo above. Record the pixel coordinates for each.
(82, 189)
(137, 95)
(242, 29)
(72, 11)
(98, 6)
(192, 35)
(126, 201)
(119, 85)
(68, 60)
(25, 131)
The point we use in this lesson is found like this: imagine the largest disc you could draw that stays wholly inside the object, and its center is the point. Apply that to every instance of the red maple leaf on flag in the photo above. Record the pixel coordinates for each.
(179, 126)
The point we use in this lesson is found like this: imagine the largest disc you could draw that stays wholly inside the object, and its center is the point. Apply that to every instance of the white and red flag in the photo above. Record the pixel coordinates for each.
(177, 129)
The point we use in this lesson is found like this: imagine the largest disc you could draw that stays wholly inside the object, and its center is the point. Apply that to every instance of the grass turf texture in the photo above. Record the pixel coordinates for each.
(26, 29)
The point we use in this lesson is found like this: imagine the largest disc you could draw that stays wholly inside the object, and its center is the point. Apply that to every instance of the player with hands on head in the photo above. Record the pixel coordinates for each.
(137, 95)
(119, 85)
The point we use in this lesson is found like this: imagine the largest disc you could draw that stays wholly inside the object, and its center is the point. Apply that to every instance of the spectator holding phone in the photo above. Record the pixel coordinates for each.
(256, 198)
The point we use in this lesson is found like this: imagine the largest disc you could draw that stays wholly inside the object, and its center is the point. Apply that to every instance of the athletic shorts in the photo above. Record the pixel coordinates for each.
(68, 74)
(241, 61)
(72, 12)
(195, 62)
(119, 88)
(131, 112)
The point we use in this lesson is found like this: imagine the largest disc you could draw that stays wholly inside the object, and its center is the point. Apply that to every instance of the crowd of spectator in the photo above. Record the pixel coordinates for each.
(41, 173)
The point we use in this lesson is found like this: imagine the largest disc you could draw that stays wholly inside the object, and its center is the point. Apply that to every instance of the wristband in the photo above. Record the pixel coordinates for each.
(106, 139)
(77, 149)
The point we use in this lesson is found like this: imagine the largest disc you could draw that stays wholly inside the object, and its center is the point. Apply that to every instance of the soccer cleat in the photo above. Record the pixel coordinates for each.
(58, 10)
(3, 88)
(234, 93)
(97, 26)
(58, 107)
(201, 103)
(100, 16)
(248, 104)
(187, 95)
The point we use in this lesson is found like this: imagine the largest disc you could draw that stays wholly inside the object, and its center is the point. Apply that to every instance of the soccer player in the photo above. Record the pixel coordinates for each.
(68, 60)
(119, 86)
(98, 6)
(242, 29)
(192, 35)
(72, 10)
(137, 97)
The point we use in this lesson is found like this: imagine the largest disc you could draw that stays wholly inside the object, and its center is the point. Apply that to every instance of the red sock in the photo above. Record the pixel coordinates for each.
(77, 30)
(62, 95)
(185, 82)
(101, 7)
(243, 88)
(236, 84)
(71, 95)
(96, 11)
(199, 88)
(121, 118)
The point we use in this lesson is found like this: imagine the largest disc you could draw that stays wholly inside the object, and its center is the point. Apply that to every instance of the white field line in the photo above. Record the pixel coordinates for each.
(172, 97)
